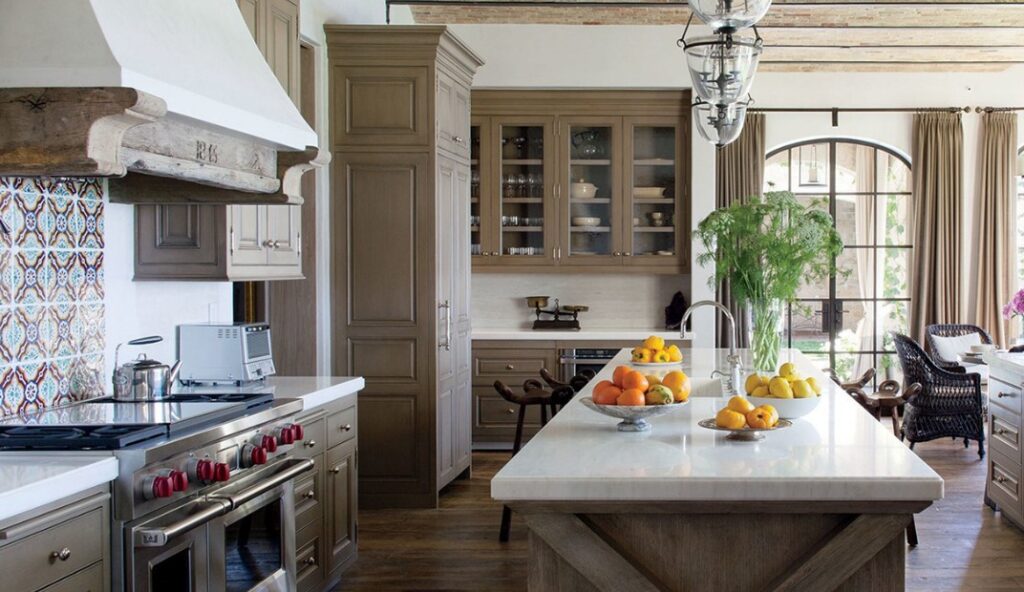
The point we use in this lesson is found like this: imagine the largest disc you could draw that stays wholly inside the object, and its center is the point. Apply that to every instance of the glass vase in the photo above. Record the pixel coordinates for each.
(764, 332)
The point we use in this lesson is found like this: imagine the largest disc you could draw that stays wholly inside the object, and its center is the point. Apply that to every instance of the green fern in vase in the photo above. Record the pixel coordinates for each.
(767, 248)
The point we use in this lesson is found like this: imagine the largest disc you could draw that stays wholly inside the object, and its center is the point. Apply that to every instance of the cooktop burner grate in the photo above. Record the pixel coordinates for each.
(54, 437)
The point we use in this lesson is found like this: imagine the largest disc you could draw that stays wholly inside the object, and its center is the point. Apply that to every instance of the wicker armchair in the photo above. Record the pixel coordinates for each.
(946, 330)
(949, 404)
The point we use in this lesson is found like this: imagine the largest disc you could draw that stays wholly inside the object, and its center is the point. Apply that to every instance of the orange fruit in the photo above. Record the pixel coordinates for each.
(632, 397)
(635, 380)
(679, 382)
(762, 417)
(620, 374)
(606, 393)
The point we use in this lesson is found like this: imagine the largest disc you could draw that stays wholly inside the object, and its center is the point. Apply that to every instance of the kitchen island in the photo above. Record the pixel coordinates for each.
(821, 505)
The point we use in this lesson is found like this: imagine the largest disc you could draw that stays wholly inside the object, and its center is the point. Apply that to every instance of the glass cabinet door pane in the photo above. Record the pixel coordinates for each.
(475, 217)
(521, 190)
(591, 190)
(653, 219)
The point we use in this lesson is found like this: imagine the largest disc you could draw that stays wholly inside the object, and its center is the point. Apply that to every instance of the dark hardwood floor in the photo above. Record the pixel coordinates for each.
(963, 545)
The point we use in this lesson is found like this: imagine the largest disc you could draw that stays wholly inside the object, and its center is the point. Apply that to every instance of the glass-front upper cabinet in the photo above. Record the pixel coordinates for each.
(589, 191)
(523, 183)
(479, 175)
(653, 192)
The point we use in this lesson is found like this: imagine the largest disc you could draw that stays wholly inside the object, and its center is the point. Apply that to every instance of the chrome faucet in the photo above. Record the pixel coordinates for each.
(734, 379)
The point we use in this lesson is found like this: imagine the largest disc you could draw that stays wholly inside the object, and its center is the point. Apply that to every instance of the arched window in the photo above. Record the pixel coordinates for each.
(843, 323)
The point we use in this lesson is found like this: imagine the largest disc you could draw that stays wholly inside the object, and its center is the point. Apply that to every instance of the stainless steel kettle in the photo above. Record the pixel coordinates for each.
(143, 379)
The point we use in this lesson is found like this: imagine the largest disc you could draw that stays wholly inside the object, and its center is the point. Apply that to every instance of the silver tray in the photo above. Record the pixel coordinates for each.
(634, 419)
(743, 434)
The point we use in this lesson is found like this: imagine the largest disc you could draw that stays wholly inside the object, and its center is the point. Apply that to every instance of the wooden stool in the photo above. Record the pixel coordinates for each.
(563, 392)
(888, 401)
(533, 394)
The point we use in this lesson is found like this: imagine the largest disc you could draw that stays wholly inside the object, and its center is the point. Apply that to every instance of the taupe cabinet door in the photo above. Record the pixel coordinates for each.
(342, 496)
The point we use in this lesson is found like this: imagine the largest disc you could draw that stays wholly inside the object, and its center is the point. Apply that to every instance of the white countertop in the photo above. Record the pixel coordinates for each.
(1006, 365)
(624, 334)
(838, 452)
(29, 480)
(313, 391)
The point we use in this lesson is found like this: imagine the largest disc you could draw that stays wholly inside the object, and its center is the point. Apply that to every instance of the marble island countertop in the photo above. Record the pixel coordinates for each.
(838, 452)
(1006, 365)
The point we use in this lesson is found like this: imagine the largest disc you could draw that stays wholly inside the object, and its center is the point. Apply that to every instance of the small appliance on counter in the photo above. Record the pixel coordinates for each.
(237, 354)
(563, 318)
(142, 379)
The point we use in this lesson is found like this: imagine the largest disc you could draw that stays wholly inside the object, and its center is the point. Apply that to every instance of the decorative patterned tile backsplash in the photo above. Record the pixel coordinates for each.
(51, 291)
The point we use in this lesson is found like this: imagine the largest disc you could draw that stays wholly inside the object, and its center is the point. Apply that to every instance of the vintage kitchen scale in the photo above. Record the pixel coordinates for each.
(563, 318)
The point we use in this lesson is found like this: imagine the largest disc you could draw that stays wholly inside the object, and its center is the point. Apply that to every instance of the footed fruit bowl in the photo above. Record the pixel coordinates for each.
(634, 418)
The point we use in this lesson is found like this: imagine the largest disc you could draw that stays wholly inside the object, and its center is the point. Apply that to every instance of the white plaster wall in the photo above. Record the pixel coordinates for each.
(135, 309)
(554, 56)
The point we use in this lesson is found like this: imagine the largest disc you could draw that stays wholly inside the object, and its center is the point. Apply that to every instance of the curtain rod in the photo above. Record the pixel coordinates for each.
(835, 111)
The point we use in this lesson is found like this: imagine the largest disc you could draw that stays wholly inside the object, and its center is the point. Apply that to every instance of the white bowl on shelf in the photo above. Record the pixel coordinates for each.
(648, 192)
(586, 221)
(582, 190)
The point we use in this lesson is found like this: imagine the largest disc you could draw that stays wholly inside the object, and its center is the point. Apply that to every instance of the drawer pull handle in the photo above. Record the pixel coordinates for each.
(510, 411)
(309, 443)
(346, 428)
(999, 479)
(311, 560)
(510, 367)
(310, 494)
(63, 555)
(1001, 395)
(336, 470)
(458, 139)
(1002, 431)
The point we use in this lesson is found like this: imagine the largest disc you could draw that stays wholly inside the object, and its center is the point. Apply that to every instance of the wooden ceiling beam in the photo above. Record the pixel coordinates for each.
(893, 54)
(881, 37)
(881, 67)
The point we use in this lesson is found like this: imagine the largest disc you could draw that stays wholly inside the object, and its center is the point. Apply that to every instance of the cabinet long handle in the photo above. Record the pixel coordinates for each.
(446, 306)
(1001, 395)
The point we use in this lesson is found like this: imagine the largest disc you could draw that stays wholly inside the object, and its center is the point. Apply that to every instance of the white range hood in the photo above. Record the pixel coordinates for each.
(179, 84)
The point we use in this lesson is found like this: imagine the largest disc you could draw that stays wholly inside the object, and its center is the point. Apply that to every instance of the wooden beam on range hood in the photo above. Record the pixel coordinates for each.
(69, 132)
(152, 189)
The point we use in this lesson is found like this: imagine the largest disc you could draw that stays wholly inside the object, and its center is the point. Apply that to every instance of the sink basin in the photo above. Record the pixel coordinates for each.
(706, 387)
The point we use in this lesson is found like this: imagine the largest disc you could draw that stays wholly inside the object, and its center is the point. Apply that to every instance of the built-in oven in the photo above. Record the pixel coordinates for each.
(574, 360)
(240, 538)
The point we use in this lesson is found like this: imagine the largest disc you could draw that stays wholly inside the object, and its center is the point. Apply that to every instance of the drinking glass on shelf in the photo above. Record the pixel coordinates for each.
(508, 185)
(532, 181)
(521, 187)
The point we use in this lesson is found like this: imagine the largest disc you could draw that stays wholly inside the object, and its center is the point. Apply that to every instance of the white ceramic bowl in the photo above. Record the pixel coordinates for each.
(582, 190)
(982, 348)
(586, 221)
(648, 192)
(788, 408)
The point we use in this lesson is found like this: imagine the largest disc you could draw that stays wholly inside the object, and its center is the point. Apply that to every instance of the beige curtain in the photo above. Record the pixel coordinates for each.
(739, 170)
(996, 223)
(938, 154)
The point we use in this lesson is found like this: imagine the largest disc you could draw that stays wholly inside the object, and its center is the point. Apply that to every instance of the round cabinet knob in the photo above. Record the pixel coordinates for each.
(63, 555)
(510, 367)
(179, 480)
(221, 472)
(628, 254)
(485, 254)
(268, 443)
(617, 253)
(336, 470)
(157, 487)
(347, 427)
(311, 560)
(510, 411)
(309, 443)
(458, 139)
(297, 431)
(309, 494)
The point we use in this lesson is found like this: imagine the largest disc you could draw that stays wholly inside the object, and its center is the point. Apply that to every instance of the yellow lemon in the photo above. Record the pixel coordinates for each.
(787, 369)
(801, 390)
(654, 342)
(779, 388)
(753, 381)
(653, 380)
(727, 418)
(761, 391)
(740, 405)
(674, 354)
(814, 385)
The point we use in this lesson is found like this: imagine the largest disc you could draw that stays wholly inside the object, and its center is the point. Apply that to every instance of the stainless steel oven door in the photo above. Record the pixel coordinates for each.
(573, 361)
(252, 548)
(169, 553)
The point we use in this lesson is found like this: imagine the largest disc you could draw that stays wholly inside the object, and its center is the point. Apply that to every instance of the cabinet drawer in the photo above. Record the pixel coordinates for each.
(308, 558)
(1005, 434)
(495, 411)
(89, 579)
(341, 427)
(1004, 395)
(511, 366)
(1004, 485)
(32, 562)
(309, 495)
(314, 441)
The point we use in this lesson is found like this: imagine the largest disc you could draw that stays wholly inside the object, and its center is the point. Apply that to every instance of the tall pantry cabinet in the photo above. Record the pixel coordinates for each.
(400, 135)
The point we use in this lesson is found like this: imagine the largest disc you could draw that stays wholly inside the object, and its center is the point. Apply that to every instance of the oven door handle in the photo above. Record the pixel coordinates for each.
(568, 359)
(159, 536)
(294, 468)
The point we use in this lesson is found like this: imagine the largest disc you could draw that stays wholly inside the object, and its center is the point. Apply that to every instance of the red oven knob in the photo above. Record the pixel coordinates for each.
(253, 455)
(268, 443)
(179, 480)
(221, 472)
(297, 432)
(202, 470)
(285, 435)
(156, 487)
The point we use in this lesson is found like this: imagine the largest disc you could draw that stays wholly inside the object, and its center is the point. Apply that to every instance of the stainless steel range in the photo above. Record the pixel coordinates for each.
(204, 498)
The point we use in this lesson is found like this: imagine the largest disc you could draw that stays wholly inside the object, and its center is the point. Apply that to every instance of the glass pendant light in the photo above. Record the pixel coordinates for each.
(722, 67)
(720, 124)
(727, 16)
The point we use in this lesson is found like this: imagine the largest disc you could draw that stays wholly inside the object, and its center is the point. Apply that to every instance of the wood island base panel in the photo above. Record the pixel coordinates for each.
(713, 546)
